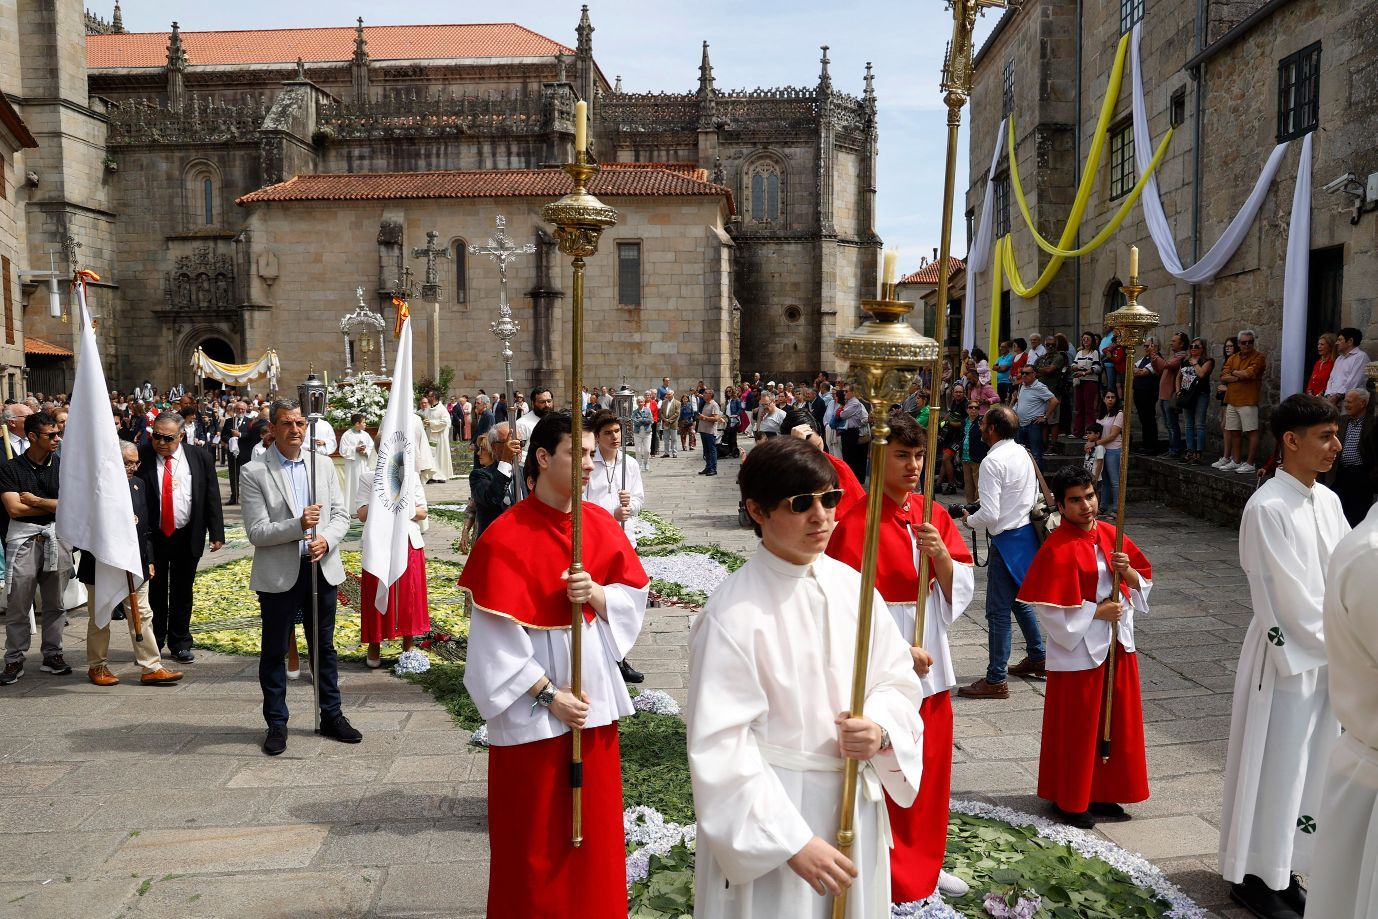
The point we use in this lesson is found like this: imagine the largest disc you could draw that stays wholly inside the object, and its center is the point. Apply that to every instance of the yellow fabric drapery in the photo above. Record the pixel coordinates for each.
(267, 365)
(997, 264)
(1069, 232)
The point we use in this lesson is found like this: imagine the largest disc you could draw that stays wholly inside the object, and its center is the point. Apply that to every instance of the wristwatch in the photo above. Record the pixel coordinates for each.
(545, 697)
(885, 743)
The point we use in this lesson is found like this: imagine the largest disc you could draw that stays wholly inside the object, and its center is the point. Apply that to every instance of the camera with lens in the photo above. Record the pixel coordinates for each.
(958, 510)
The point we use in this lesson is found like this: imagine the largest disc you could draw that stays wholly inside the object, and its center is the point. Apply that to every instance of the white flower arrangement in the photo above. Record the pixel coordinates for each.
(364, 396)
(651, 834)
(412, 661)
(656, 702)
(693, 570)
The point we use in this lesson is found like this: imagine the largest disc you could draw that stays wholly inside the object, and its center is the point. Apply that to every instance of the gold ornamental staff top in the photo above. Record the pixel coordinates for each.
(580, 220)
(884, 354)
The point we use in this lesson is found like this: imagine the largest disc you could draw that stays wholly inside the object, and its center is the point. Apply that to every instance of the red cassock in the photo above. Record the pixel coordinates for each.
(535, 873)
(920, 831)
(1070, 772)
(852, 491)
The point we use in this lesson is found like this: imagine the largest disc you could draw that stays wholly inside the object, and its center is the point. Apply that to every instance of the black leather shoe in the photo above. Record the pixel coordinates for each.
(1261, 900)
(118, 615)
(340, 729)
(184, 657)
(1082, 820)
(629, 673)
(275, 741)
(1295, 896)
(1106, 811)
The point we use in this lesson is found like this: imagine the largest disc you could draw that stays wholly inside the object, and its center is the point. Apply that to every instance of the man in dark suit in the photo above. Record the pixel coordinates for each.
(490, 483)
(236, 425)
(183, 508)
(1355, 473)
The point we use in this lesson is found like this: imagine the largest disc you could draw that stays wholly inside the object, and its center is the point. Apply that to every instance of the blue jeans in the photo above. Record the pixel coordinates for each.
(1110, 475)
(710, 452)
(1001, 588)
(1174, 429)
(1195, 423)
(1031, 436)
(278, 612)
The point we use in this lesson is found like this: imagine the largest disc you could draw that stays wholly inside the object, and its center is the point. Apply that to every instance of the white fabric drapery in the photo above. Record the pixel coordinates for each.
(1296, 282)
(978, 256)
(237, 374)
(1224, 249)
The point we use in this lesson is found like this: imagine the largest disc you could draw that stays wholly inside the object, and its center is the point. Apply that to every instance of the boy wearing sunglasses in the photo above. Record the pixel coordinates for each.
(770, 673)
(920, 832)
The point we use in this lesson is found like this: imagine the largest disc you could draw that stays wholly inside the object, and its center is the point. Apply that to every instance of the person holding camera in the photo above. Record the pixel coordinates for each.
(1008, 488)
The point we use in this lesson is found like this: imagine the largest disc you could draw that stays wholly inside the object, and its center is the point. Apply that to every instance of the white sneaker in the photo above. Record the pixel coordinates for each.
(293, 674)
(1228, 466)
(1220, 463)
(949, 885)
(1244, 468)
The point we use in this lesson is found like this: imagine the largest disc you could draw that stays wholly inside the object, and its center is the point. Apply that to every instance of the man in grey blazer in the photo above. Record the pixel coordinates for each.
(289, 534)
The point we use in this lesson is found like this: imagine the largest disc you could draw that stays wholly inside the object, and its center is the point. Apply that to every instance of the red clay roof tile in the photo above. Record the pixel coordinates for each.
(622, 180)
(37, 347)
(928, 274)
(272, 46)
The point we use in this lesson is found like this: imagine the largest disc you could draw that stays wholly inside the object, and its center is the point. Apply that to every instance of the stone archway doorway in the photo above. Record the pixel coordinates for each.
(217, 349)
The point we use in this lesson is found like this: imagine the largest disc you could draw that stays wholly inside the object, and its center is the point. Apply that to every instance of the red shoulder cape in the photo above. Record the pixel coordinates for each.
(515, 567)
(853, 493)
(1063, 572)
(896, 578)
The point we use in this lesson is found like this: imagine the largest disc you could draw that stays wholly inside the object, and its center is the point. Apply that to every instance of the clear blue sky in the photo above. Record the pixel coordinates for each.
(763, 43)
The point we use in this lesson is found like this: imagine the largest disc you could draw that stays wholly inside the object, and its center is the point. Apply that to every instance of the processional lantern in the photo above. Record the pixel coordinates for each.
(623, 403)
(311, 395)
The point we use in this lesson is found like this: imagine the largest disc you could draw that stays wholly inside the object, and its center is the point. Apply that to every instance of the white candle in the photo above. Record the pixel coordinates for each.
(1133, 262)
(581, 127)
(892, 258)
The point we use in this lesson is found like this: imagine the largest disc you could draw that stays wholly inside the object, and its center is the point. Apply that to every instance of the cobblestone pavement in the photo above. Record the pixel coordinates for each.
(136, 800)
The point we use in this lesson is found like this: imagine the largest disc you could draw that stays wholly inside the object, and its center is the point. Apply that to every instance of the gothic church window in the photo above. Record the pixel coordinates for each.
(1121, 160)
(458, 253)
(1299, 93)
(1131, 11)
(203, 183)
(764, 191)
(629, 274)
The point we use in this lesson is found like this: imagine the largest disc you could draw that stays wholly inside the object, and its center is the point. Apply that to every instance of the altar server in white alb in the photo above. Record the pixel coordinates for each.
(615, 484)
(770, 673)
(1344, 881)
(1282, 727)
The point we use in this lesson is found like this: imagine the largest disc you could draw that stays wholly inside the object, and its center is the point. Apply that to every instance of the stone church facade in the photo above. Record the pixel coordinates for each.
(1222, 81)
(749, 214)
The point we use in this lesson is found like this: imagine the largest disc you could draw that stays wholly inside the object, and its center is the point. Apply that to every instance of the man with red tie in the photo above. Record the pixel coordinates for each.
(183, 508)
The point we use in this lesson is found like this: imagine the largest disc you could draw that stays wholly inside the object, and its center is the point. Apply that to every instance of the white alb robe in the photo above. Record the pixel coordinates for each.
(356, 466)
(939, 615)
(770, 668)
(606, 481)
(1282, 728)
(1077, 640)
(425, 456)
(506, 659)
(437, 422)
(1344, 882)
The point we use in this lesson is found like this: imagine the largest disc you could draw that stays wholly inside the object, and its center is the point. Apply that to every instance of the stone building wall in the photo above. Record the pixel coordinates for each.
(683, 327)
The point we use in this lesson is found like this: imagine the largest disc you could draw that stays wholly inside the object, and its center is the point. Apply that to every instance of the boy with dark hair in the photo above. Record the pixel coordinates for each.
(1069, 587)
(1282, 727)
(919, 832)
(770, 668)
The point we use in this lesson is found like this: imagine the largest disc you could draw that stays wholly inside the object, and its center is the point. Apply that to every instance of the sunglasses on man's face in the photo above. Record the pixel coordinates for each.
(165, 438)
(801, 504)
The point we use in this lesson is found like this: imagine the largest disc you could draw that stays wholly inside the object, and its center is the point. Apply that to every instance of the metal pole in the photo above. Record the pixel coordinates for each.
(314, 641)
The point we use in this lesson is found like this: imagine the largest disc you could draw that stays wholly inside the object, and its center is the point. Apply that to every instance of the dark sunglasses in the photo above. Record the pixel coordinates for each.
(800, 504)
(50, 435)
(165, 438)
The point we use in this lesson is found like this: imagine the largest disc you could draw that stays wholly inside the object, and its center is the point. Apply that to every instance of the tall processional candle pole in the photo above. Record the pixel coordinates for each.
(1132, 323)
(956, 87)
(312, 396)
(580, 220)
(884, 353)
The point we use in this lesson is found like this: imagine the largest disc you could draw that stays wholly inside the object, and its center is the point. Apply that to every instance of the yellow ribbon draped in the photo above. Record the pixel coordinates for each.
(996, 288)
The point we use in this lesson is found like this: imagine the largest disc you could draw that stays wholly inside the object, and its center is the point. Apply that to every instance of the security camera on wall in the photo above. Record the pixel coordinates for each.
(1342, 183)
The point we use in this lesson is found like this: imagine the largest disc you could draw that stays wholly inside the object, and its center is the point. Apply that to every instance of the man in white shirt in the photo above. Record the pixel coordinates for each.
(1282, 726)
(1341, 884)
(1036, 349)
(615, 485)
(1007, 485)
(1351, 363)
(770, 669)
(15, 441)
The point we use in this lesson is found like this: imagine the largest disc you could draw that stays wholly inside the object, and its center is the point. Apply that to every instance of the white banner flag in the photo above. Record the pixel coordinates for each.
(94, 511)
(391, 500)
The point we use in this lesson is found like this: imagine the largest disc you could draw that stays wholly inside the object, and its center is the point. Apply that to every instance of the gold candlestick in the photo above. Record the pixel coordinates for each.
(580, 220)
(884, 354)
(1133, 323)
